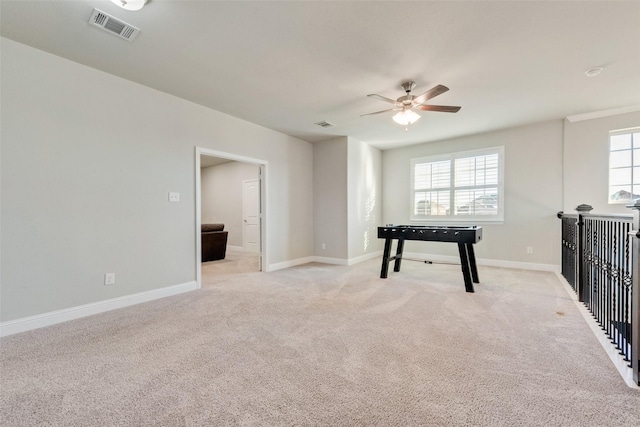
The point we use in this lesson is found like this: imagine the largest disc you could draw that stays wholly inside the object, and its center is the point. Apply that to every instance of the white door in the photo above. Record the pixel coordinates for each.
(251, 215)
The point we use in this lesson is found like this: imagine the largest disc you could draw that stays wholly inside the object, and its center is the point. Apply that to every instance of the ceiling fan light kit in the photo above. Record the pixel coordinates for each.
(406, 117)
(130, 4)
(407, 103)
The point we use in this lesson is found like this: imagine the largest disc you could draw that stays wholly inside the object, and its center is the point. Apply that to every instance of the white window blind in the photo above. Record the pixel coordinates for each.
(459, 186)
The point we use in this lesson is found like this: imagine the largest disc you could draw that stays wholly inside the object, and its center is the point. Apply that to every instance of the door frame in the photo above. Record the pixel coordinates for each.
(264, 223)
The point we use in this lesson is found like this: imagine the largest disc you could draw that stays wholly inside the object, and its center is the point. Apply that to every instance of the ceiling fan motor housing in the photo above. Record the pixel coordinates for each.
(406, 100)
(408, 86)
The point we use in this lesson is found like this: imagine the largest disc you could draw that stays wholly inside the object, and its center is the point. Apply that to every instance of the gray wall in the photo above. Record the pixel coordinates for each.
(85, 184)
(533, 192)
(347, 190)
(222, 199)
(586, 164)
(330, 198)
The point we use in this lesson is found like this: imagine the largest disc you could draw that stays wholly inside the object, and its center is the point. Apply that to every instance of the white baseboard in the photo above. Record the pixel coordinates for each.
(238, 248)
(488, 262)
(307, 260)
(291, 263)
(618, 361)
(51, 318)
(333, 261)
(553, 268)
(431, 257)
(324, 260)
(365, 257)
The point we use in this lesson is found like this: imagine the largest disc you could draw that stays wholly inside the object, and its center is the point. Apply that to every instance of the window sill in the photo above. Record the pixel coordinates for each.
(458, 222)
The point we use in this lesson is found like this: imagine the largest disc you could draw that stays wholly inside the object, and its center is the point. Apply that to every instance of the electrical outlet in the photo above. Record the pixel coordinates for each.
(110, 278)
(529, 249)
(174, 197)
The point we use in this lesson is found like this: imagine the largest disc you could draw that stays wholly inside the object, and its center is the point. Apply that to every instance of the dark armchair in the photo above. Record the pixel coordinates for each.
(214, 242)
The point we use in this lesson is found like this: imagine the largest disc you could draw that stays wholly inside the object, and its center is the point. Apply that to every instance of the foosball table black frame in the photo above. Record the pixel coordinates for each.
(465, 237)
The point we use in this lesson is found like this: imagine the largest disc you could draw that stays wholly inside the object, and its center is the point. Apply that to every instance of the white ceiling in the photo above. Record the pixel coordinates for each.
(287, 65)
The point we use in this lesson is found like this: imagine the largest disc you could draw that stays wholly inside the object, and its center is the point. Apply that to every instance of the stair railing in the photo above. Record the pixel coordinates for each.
(601, 262)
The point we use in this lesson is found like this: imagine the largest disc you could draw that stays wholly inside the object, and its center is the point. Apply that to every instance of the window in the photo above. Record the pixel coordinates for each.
(624, 165)
(465, 186)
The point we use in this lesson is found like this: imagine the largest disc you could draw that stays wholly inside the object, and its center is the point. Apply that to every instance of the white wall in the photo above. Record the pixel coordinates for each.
(364, 198)
(88, 160)
(533, 193)
(222, 199)
(330, 198)
(586, 162)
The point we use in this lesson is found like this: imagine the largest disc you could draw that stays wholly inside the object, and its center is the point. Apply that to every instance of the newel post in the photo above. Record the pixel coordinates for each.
(635, 290)
(580, 248)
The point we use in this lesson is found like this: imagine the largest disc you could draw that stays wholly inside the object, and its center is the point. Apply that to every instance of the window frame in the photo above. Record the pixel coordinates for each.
(627, 131)
(453, 218)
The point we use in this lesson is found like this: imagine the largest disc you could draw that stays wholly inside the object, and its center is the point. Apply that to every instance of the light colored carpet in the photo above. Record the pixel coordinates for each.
(325, 345)
(235, 262)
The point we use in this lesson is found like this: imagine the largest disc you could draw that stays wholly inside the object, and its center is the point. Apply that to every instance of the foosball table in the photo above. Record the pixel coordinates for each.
(465, 237)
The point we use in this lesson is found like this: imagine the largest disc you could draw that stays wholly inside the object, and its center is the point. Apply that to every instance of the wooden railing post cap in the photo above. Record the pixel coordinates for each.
(635, 205)
(584, 208)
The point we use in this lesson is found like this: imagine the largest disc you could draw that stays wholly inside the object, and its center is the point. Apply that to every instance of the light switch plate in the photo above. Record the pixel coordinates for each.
(110, 278)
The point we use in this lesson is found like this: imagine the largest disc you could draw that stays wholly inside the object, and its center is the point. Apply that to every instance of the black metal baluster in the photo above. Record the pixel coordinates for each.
(602, 282)
(585, 254)
(615, 278)
(621, 272)
(598, 276)
(593, 276)
(626, 282)
(609, 294)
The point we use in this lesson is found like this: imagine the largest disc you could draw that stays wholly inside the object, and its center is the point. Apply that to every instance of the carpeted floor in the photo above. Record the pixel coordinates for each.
(324, 345)
(235, 262)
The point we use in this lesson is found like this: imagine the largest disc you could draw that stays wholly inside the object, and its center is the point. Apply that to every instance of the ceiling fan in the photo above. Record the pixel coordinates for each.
(407, 103)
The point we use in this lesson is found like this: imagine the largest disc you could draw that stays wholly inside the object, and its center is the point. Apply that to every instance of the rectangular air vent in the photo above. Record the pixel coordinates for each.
(113, 25)
(324, 124)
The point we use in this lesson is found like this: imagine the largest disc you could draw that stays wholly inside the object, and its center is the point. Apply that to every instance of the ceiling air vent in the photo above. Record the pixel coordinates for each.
(113, 25)
(323, 124)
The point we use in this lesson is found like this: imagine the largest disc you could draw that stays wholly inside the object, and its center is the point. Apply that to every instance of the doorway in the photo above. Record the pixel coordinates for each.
(244, 184)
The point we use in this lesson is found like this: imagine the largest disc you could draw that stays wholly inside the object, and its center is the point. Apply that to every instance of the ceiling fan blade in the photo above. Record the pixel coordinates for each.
(382, 98)
(442, 108)
(431, 93)
(378, 112)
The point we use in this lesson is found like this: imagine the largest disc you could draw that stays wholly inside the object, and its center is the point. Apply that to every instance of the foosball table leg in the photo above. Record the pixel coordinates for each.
(396, 265)
(466, 271)
(472, 263)
(385, 259)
